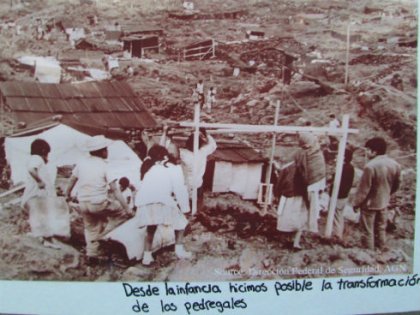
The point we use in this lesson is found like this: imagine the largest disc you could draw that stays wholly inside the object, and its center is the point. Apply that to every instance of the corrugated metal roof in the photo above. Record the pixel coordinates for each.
(130, 28)
(231, 151)
(235, 155)
(105, 104)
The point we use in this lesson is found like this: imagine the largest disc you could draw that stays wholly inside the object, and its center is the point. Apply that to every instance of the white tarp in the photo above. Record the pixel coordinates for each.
(241, 178)
(75, 34)
(66, 149)
(47, 69)
(112, 63)
(95, 74)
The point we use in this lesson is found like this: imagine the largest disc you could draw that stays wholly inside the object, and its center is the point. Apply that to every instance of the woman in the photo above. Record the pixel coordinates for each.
(310, 163)
(39, 183)
(292, 212)
(161, 179)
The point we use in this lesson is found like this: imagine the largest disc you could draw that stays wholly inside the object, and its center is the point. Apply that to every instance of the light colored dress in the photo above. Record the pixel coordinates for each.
(156, 205)
(48, 214)
(45, 173)
(155, 199)
(292, 214)
(187, 158)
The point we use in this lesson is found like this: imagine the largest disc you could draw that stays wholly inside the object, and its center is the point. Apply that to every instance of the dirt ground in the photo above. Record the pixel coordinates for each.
(230, 239)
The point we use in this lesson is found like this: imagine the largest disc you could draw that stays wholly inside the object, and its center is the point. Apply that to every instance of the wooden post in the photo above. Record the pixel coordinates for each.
(346, 76)
(11, 191)
(337, 178)
(213, 48)
(195, 160)
(270, 165)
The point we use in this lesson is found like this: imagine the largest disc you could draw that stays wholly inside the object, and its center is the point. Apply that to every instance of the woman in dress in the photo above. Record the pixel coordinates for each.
(292, 211)
(310, 164)
(162, 199)
(39, 183)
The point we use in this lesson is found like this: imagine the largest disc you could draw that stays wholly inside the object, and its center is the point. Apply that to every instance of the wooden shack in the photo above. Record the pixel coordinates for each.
(136, 46)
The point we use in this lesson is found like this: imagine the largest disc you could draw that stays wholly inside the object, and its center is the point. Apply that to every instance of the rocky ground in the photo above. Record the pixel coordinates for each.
(231, 239)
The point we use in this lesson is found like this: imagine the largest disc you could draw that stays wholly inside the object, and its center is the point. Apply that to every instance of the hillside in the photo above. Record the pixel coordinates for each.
(230, 234)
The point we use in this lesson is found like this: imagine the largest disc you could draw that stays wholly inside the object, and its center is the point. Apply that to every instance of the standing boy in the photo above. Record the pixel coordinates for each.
(380, 179)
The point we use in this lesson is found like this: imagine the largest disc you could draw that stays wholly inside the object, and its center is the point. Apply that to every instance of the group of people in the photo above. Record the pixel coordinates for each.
(166, 184)
(106, 202)
(300, 183)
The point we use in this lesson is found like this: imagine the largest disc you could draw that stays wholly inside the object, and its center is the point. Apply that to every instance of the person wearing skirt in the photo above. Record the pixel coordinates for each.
(292, 211)
(162, 199)
(311, 165)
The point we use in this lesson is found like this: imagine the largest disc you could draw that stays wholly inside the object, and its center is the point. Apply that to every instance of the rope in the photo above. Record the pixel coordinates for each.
(304, 110)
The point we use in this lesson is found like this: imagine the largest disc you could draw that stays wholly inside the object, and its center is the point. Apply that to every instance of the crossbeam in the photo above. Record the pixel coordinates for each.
(231, 128)
(342, 132)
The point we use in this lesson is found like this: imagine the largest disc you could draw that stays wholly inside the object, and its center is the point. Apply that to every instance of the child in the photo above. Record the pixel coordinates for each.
(39, 183)
(346, 183)
(211, 99)
(128, 191)
(100, 213)
(161, 181)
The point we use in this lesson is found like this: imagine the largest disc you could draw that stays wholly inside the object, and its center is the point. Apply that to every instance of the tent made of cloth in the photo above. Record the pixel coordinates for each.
(67, 149)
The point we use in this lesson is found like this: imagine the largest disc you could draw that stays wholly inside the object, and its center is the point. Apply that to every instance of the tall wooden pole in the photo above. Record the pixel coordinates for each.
(337, 178)
(195, 160)
(346, 76)
(270, 165)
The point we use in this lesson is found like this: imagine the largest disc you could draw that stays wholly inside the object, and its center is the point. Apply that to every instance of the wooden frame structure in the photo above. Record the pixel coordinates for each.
(200, 50)
(342, 132)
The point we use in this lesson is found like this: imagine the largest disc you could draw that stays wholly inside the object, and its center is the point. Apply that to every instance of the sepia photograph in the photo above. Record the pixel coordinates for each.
(207, 140)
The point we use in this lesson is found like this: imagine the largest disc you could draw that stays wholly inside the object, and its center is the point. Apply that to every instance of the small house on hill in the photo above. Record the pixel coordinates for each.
(136, 46)
(142, 30)
(74, 32)
(76, 57)
(234, 167)
(108, 47)
(103, 105)
(113, 36)
(254, 34)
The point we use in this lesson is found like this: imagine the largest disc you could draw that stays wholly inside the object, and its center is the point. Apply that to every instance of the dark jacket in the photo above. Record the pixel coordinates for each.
(290, 183)
(346, 182)
(310, 164)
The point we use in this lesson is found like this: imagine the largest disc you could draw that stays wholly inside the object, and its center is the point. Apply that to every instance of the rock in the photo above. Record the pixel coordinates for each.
(249, 258)
(343, 267)
(362, 258)
(296, 260)
(136, 273)
(252, 103)
(390, 257)
(305, 88)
